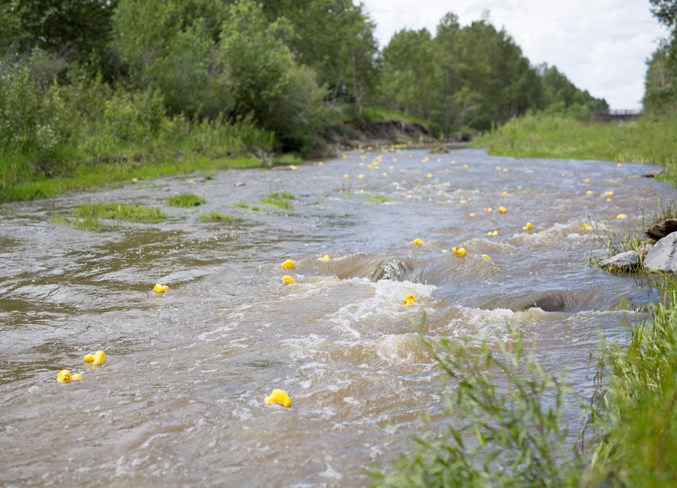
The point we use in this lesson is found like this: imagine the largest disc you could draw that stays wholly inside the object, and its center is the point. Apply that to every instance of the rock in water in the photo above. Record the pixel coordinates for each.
(625, 261)
(390, 269)
(663, 255)
(661, 230)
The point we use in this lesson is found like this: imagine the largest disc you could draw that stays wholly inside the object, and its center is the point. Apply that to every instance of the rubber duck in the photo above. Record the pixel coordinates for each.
(159, 289)
(288, 280)
(502, 210)
(459, 251)
(346, 176)
(409, 299)
(487, 257)
(64, 376)
(418, 242)
(621, 216)
(280, 397)
(527, 226)
(293, 167)
(99, 358)
(324, 258)
(288, 264)
(492, 233)
(89, 358)
(77, 377)
(360, 176)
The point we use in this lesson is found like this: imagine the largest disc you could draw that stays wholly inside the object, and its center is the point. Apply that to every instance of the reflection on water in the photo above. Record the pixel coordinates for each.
(180, 398)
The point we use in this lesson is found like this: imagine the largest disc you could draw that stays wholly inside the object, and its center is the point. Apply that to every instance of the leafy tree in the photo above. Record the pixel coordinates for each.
(73, 28)
(660, 87)
(336, 39)
(410, 77)
(264, 77)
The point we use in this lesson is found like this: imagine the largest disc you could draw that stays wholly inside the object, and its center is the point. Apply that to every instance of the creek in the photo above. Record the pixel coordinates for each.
(179, 401)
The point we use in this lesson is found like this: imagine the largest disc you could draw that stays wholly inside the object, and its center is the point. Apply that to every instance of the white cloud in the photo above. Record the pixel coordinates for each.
(601, 46)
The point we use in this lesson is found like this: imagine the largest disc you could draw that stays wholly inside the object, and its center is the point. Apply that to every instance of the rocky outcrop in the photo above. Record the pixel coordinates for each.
(391, 269)
(663, 255)
(624, 262)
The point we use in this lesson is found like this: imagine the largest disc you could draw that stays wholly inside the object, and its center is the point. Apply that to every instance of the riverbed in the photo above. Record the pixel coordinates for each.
(180, 399)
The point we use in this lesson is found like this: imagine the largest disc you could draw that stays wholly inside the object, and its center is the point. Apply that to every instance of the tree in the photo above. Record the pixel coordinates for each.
(660, 86)
(336, 39)
(264, 77)
(72, 28)
(410, 75)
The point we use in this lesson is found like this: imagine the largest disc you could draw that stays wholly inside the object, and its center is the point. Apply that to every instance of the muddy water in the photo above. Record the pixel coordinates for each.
(179, 402)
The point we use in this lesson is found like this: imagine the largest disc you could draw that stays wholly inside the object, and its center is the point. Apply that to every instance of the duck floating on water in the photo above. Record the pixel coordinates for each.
(280, 397)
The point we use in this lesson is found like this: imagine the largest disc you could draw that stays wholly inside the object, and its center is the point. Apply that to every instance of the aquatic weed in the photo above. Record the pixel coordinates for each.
(120, 211)
(185, 200)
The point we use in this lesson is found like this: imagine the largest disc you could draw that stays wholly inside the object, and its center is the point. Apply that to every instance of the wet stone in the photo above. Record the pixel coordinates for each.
(625, 261)
(663, 255)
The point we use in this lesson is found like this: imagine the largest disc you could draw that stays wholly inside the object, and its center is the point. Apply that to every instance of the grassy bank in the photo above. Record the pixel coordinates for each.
(645, 140)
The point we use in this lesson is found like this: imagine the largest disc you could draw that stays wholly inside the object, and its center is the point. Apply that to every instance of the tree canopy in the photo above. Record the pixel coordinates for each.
(290, 66)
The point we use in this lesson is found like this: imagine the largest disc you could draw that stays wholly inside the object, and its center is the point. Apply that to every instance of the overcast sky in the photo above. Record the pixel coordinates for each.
(600, 45)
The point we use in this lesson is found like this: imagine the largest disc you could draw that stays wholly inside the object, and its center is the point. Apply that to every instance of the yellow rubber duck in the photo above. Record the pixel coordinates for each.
(527, 226)
(64, 376)
(418, 242)
(492, 233)
(288, 264)
(89, 358)
(621, 216)
(324, 258)
(288, 280)
(409, 299)
(502, 210)
(99, 358)
(280, 397)
(459, 251)
(487, 257)
(77, 377)
(159, 289)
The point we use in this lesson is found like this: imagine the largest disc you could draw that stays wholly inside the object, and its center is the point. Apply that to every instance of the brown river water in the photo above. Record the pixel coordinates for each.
(180, 398)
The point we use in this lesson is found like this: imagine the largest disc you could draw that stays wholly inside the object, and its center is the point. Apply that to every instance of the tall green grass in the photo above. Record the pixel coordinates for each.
(504, 424)
(637, 414)
(646, 140)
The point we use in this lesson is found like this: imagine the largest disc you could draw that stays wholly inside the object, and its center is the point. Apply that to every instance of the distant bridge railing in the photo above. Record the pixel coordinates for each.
(617, 115)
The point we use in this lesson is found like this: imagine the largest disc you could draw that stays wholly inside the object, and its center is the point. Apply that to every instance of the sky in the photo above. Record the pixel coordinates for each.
(600, 45)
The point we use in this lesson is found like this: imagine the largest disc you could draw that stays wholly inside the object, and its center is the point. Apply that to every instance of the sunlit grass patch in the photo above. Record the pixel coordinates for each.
(120, 211)
(185, 200)
(280, 200)
(216, 217)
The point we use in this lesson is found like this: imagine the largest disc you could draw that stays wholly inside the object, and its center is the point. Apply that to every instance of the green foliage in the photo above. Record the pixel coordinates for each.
(265, 79)
(75, 27)
(637, 414)
(185, 200)
(120, 211)
(216, 217)
(660, 86)
(279, 200)
(504, 429)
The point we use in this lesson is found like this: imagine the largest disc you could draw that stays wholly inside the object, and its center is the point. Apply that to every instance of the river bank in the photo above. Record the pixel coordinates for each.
(218, 147)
